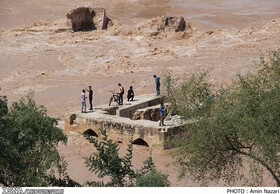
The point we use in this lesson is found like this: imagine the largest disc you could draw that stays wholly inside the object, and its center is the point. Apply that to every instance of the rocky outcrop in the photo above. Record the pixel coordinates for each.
(174, 24)
(87, 18)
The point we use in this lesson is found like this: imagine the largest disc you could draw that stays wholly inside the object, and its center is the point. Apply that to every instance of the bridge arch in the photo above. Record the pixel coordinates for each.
(91, 133)
(140, 141)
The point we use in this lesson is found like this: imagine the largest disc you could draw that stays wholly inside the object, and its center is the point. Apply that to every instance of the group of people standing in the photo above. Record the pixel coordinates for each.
(130, 97)
(130, 94)
(83, 99)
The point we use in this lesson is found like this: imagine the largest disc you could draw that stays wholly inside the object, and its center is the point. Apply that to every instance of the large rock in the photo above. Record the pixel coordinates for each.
(173, 24)
(87, 18)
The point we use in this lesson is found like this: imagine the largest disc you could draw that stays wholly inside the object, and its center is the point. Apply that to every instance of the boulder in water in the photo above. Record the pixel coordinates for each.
(173, 23)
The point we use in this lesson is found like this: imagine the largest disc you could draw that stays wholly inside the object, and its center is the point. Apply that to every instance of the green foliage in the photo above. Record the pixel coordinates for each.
(167, 82)
(241, 121)
(28, 144)
(148, 176)
(152, 179)
(189, 94)
(65, 181)
(106, 162)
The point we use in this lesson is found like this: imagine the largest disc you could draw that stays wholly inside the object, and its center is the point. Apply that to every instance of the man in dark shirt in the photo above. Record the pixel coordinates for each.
(90, 96)
(130, 94)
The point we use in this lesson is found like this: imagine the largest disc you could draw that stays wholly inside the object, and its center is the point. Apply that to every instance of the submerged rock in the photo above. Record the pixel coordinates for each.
(174, 23)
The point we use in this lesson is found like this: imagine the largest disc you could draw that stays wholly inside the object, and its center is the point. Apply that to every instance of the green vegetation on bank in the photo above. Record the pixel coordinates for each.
(28, 144)
(29, 155)
(235, 124)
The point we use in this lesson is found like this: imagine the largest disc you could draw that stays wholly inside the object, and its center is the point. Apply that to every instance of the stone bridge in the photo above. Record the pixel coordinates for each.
(121, 126)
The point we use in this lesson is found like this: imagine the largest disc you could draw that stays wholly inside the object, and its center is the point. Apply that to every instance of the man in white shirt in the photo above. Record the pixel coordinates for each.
(83, 100)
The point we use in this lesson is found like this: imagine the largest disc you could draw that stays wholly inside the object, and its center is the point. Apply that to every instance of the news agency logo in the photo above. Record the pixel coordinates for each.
(19, 190)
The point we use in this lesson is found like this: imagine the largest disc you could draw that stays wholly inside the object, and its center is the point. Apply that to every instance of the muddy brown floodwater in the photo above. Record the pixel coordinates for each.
(38, 52)
(212, 13)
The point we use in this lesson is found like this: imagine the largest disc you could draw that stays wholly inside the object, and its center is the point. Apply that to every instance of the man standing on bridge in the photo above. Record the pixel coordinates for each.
(161, 111)
(90, 93)
(83, 100)
(157, 84)
(121, 92)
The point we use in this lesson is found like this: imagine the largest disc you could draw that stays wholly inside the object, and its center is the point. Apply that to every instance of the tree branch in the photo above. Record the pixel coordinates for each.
(262, 163)
(256, 159)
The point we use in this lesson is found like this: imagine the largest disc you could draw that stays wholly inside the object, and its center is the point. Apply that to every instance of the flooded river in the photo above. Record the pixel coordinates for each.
(212, 13)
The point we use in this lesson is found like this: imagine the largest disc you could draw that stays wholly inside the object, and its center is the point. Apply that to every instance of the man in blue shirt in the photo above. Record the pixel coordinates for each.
(157, 84)
(161, 111)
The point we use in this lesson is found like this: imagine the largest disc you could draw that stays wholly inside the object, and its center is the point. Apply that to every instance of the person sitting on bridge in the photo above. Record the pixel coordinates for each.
(130, 94)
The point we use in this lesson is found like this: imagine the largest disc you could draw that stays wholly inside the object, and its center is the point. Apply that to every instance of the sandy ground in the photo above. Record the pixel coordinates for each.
(38, 52)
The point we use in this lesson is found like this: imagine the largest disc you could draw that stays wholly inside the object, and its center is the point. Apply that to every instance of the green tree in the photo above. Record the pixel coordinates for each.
(106, 162)
(152, 179)
(28, 144)
(240, 123)
(148, 176)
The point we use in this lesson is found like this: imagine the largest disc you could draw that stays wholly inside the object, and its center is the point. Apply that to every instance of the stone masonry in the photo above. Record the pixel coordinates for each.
(87, 18)
(120, 127)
